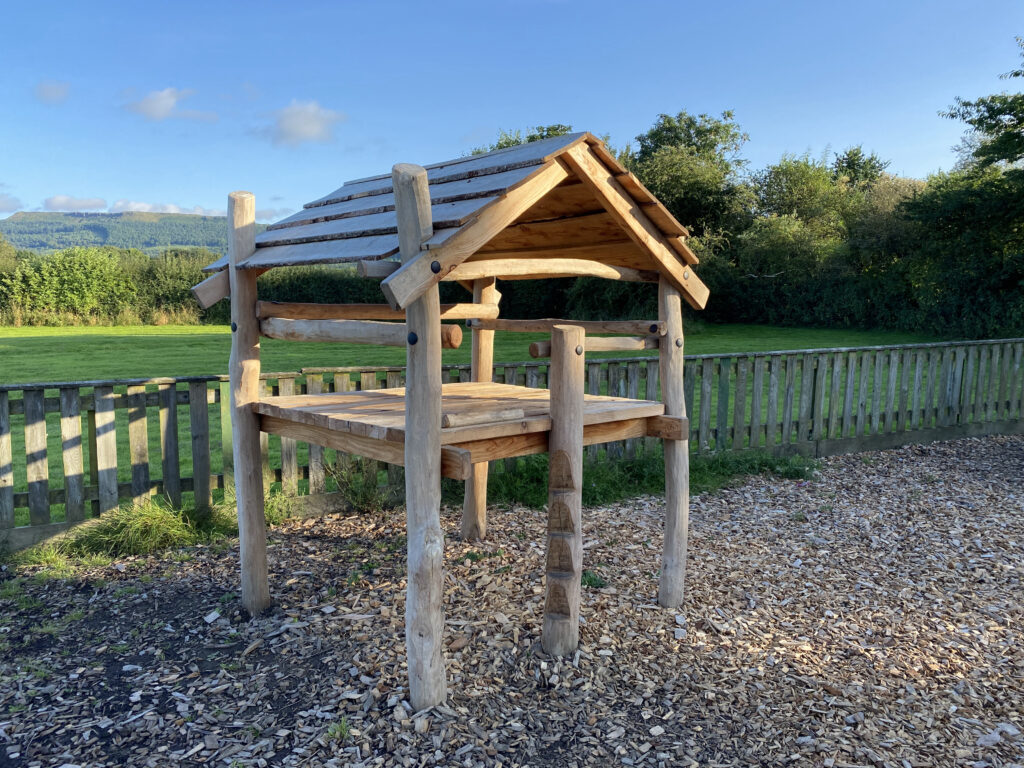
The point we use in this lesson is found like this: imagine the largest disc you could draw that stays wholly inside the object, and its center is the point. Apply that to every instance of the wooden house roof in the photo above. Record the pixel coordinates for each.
(564, 198)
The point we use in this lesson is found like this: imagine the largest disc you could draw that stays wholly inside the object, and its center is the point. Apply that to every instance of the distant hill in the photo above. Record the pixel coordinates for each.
(150, 232)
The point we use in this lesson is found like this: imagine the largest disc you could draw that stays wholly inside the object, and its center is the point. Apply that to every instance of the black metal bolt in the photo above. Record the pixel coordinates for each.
(679, 343)
(234, 327)
(435, 267)
(654, 327)
(579, 349)
(413, 338)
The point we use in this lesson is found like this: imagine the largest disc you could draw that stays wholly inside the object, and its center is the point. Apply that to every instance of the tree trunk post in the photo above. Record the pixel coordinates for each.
(677, 452)
(474, 508)
(424, 616)
(564, 567)
(244, 370)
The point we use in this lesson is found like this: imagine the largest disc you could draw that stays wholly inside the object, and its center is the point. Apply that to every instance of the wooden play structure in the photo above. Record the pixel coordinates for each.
(554, 208)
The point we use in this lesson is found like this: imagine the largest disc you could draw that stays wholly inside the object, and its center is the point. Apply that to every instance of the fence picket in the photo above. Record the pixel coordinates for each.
(1004, 376)
(268, 473)
(956, 394)
(37, 466)
(633, 393)
(980, 387)
(739, 405)
(757, 394)
(704, 430)
(342, 460)
(916, 410)
(289, 448)
(787, 401)
(772, 422)
(170, 460)
(396, 478)
(105, 448)
(722, 425)
(71, 458)
(851, 383)
(890, 395)
(803, 427)
(227, 456)
(862, 394)
(6, 464)
(833, 428)
(199, 420)
(818, 396)
(138, 443)
(317, 479)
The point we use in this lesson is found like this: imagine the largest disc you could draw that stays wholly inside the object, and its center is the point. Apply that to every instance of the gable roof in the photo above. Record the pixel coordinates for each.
(565, 196)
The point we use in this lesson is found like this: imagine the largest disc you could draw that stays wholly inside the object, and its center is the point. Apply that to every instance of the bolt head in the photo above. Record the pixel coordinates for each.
(679, 343)
(413, 338)
(579, 349)
(234, 326)
(435, 267)
(654, 327)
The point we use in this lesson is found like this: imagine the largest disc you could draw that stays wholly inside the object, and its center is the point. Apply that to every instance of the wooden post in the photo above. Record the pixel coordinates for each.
(138, 443)
(677, 452)
(561, 633)
(71, 438)
(244, 370)
(6, 464)
(37, 466)
(424, 616)
(169, 443)
(474, 508)
(105, 431)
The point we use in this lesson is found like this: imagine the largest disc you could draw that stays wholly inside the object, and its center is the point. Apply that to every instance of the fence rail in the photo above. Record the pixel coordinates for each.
(72, 450)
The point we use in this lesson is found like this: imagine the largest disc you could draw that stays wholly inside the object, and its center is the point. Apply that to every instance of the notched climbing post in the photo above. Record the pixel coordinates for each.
(564, 565)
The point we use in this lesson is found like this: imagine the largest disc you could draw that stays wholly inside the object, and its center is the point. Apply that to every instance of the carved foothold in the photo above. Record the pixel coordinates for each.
(560, 517)
(558, 601)
(560, 475)
(560, 554)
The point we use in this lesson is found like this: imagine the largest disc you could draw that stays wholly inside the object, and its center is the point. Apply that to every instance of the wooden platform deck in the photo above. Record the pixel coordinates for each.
(515, 422)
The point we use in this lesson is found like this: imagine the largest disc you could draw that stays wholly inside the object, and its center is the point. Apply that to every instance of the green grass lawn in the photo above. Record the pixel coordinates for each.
(32, 355)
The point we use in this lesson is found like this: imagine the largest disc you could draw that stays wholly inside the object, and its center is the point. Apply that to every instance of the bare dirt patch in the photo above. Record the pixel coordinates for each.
(869, 617)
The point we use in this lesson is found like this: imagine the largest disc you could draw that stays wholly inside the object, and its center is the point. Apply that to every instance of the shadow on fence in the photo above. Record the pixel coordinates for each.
(73, 450)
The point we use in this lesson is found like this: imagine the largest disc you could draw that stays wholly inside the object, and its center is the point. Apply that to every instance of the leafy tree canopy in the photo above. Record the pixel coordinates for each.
(516, 137)
(854, 167)
(708, 137)
(998, 121)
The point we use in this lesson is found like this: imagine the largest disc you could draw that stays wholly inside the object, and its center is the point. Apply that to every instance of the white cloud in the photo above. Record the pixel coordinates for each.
(52, 91)
(303, 121)
(272, 214)
(75, 204)
(161, 105)
(9, 203)
(134, 206)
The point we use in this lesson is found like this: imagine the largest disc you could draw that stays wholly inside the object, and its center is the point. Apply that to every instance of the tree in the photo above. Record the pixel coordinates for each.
(853, 167)
(8, 255)
(692, 164)
(514, 138)
(804, 188)
(998, 121)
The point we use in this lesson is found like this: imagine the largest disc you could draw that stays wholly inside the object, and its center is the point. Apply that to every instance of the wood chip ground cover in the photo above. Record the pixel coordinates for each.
(871, 616)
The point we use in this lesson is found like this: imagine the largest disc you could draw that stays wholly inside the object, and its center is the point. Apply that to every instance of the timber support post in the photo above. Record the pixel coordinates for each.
(474, 508)
(244, 370)
(677, 452)
(564, 563)
(424, 616)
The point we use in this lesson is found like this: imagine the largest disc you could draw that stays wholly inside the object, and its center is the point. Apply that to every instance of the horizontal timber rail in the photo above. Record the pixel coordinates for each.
(76, 449)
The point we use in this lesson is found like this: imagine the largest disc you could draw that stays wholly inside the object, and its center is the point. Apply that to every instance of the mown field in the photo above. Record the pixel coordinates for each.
(34, 355)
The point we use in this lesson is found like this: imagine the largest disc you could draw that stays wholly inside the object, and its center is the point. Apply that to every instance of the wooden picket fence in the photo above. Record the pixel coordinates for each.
(73, 450)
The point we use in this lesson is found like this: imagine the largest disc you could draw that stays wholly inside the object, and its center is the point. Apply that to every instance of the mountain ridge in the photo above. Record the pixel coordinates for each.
(45, 232)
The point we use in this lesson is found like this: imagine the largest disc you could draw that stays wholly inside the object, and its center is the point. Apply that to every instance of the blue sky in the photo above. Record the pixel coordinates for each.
(170, 106)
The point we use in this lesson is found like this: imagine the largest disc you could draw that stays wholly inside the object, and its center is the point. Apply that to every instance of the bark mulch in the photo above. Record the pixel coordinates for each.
(869, 617)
